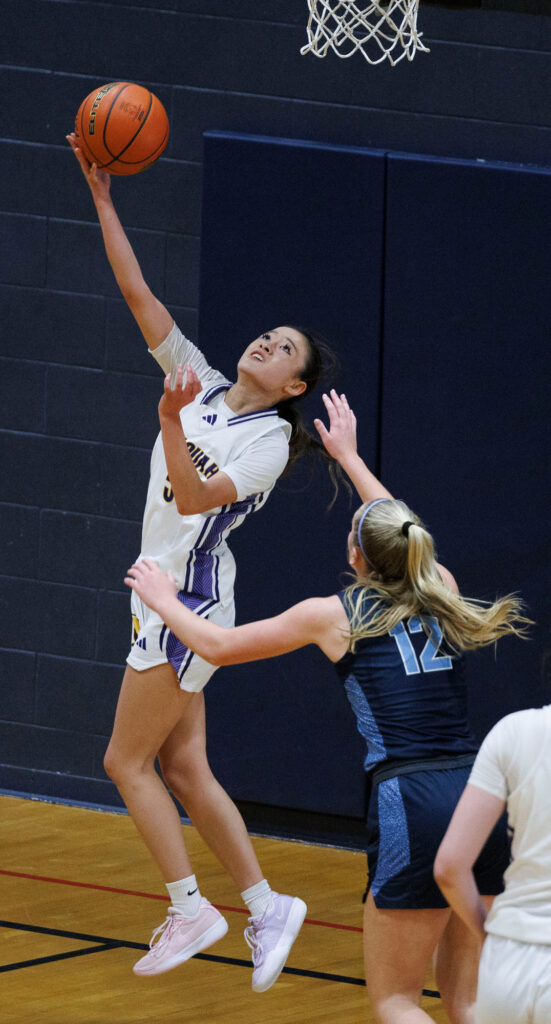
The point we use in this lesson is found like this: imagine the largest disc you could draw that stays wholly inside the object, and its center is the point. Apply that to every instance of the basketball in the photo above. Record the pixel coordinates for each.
(122, 127)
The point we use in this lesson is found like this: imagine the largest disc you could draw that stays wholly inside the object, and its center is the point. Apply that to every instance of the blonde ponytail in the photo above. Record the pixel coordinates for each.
(403, 579)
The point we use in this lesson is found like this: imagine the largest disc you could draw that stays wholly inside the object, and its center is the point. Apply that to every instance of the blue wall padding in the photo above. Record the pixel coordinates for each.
(462, 401)
(465, 401)
(292, 233)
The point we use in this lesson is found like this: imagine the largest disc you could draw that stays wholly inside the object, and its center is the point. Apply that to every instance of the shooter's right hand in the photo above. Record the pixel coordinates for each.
(99, 182)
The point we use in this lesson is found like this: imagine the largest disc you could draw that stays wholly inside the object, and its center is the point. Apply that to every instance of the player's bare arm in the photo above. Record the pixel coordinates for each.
(318, 620)
(153, 319)
(191, 494)
(340, 442)
(472, 822)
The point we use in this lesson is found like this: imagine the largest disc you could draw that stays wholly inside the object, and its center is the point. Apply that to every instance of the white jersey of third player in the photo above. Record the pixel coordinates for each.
(252, 449)
(514, 763)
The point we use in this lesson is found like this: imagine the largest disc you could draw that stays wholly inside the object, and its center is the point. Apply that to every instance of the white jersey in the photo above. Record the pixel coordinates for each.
(514, 763)
(252, 449)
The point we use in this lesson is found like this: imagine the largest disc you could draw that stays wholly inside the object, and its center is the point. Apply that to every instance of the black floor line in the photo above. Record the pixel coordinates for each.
(57, 956)
(105, 944)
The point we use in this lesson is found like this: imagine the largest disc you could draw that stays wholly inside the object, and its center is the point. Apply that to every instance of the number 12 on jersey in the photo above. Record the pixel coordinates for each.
(430, 659)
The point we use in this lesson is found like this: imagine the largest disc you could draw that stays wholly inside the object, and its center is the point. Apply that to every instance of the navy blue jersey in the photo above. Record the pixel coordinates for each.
(408, 692)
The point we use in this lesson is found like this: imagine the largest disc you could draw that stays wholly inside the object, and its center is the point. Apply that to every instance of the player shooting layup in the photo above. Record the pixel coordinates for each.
(215, 461)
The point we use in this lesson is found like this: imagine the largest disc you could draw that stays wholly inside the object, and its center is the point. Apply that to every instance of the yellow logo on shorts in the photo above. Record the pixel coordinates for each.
(135, 630)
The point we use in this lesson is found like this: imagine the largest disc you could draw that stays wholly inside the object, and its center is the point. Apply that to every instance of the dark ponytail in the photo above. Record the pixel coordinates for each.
(321, 364)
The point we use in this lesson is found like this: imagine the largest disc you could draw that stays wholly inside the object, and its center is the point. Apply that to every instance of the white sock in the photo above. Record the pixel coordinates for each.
(258, 898)
(185, 896)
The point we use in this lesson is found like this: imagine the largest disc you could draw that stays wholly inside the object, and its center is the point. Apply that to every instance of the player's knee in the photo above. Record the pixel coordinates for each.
(184, 773)
(110, 764)
(115, 766)
(173, 775)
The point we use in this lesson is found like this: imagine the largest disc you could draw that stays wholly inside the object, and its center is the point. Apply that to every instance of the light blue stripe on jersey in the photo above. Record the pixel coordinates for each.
(367, 726)
(394, 851)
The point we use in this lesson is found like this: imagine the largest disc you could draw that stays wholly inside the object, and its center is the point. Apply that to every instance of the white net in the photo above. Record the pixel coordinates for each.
(380, 30)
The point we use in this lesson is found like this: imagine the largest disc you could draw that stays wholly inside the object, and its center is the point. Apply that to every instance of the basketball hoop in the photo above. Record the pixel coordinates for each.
(380, 29)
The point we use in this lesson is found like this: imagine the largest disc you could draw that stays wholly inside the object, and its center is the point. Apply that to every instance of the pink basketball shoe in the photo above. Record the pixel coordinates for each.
(271, 936)
(180, 938)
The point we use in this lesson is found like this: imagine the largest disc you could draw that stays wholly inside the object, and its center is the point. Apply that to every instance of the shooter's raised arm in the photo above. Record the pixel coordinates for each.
(152, 317)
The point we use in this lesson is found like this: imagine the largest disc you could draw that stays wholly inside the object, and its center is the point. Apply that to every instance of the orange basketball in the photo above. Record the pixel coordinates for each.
(122, 127)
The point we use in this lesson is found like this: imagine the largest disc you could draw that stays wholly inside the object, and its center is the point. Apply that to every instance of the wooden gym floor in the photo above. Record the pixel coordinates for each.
(81, 897)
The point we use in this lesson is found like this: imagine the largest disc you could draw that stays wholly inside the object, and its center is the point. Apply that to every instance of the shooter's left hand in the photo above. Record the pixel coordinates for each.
(151, 584)
(175, 398)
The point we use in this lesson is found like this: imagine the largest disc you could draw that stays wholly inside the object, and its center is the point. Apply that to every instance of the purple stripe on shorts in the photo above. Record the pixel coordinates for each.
(177, 652)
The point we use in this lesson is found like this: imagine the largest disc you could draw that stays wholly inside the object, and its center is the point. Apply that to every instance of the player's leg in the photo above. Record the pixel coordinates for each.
(405, 912)
(458, 955)
(456, 969)
(183, 754)
(508, 983)
(398, 945)
(185, 767)
(275, 919)
(150, 704)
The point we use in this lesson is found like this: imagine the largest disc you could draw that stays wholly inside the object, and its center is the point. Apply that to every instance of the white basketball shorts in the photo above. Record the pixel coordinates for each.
(514, 983)
(153, 643)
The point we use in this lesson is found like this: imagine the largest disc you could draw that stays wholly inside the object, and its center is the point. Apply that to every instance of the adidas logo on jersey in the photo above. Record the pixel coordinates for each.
(210, 418)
